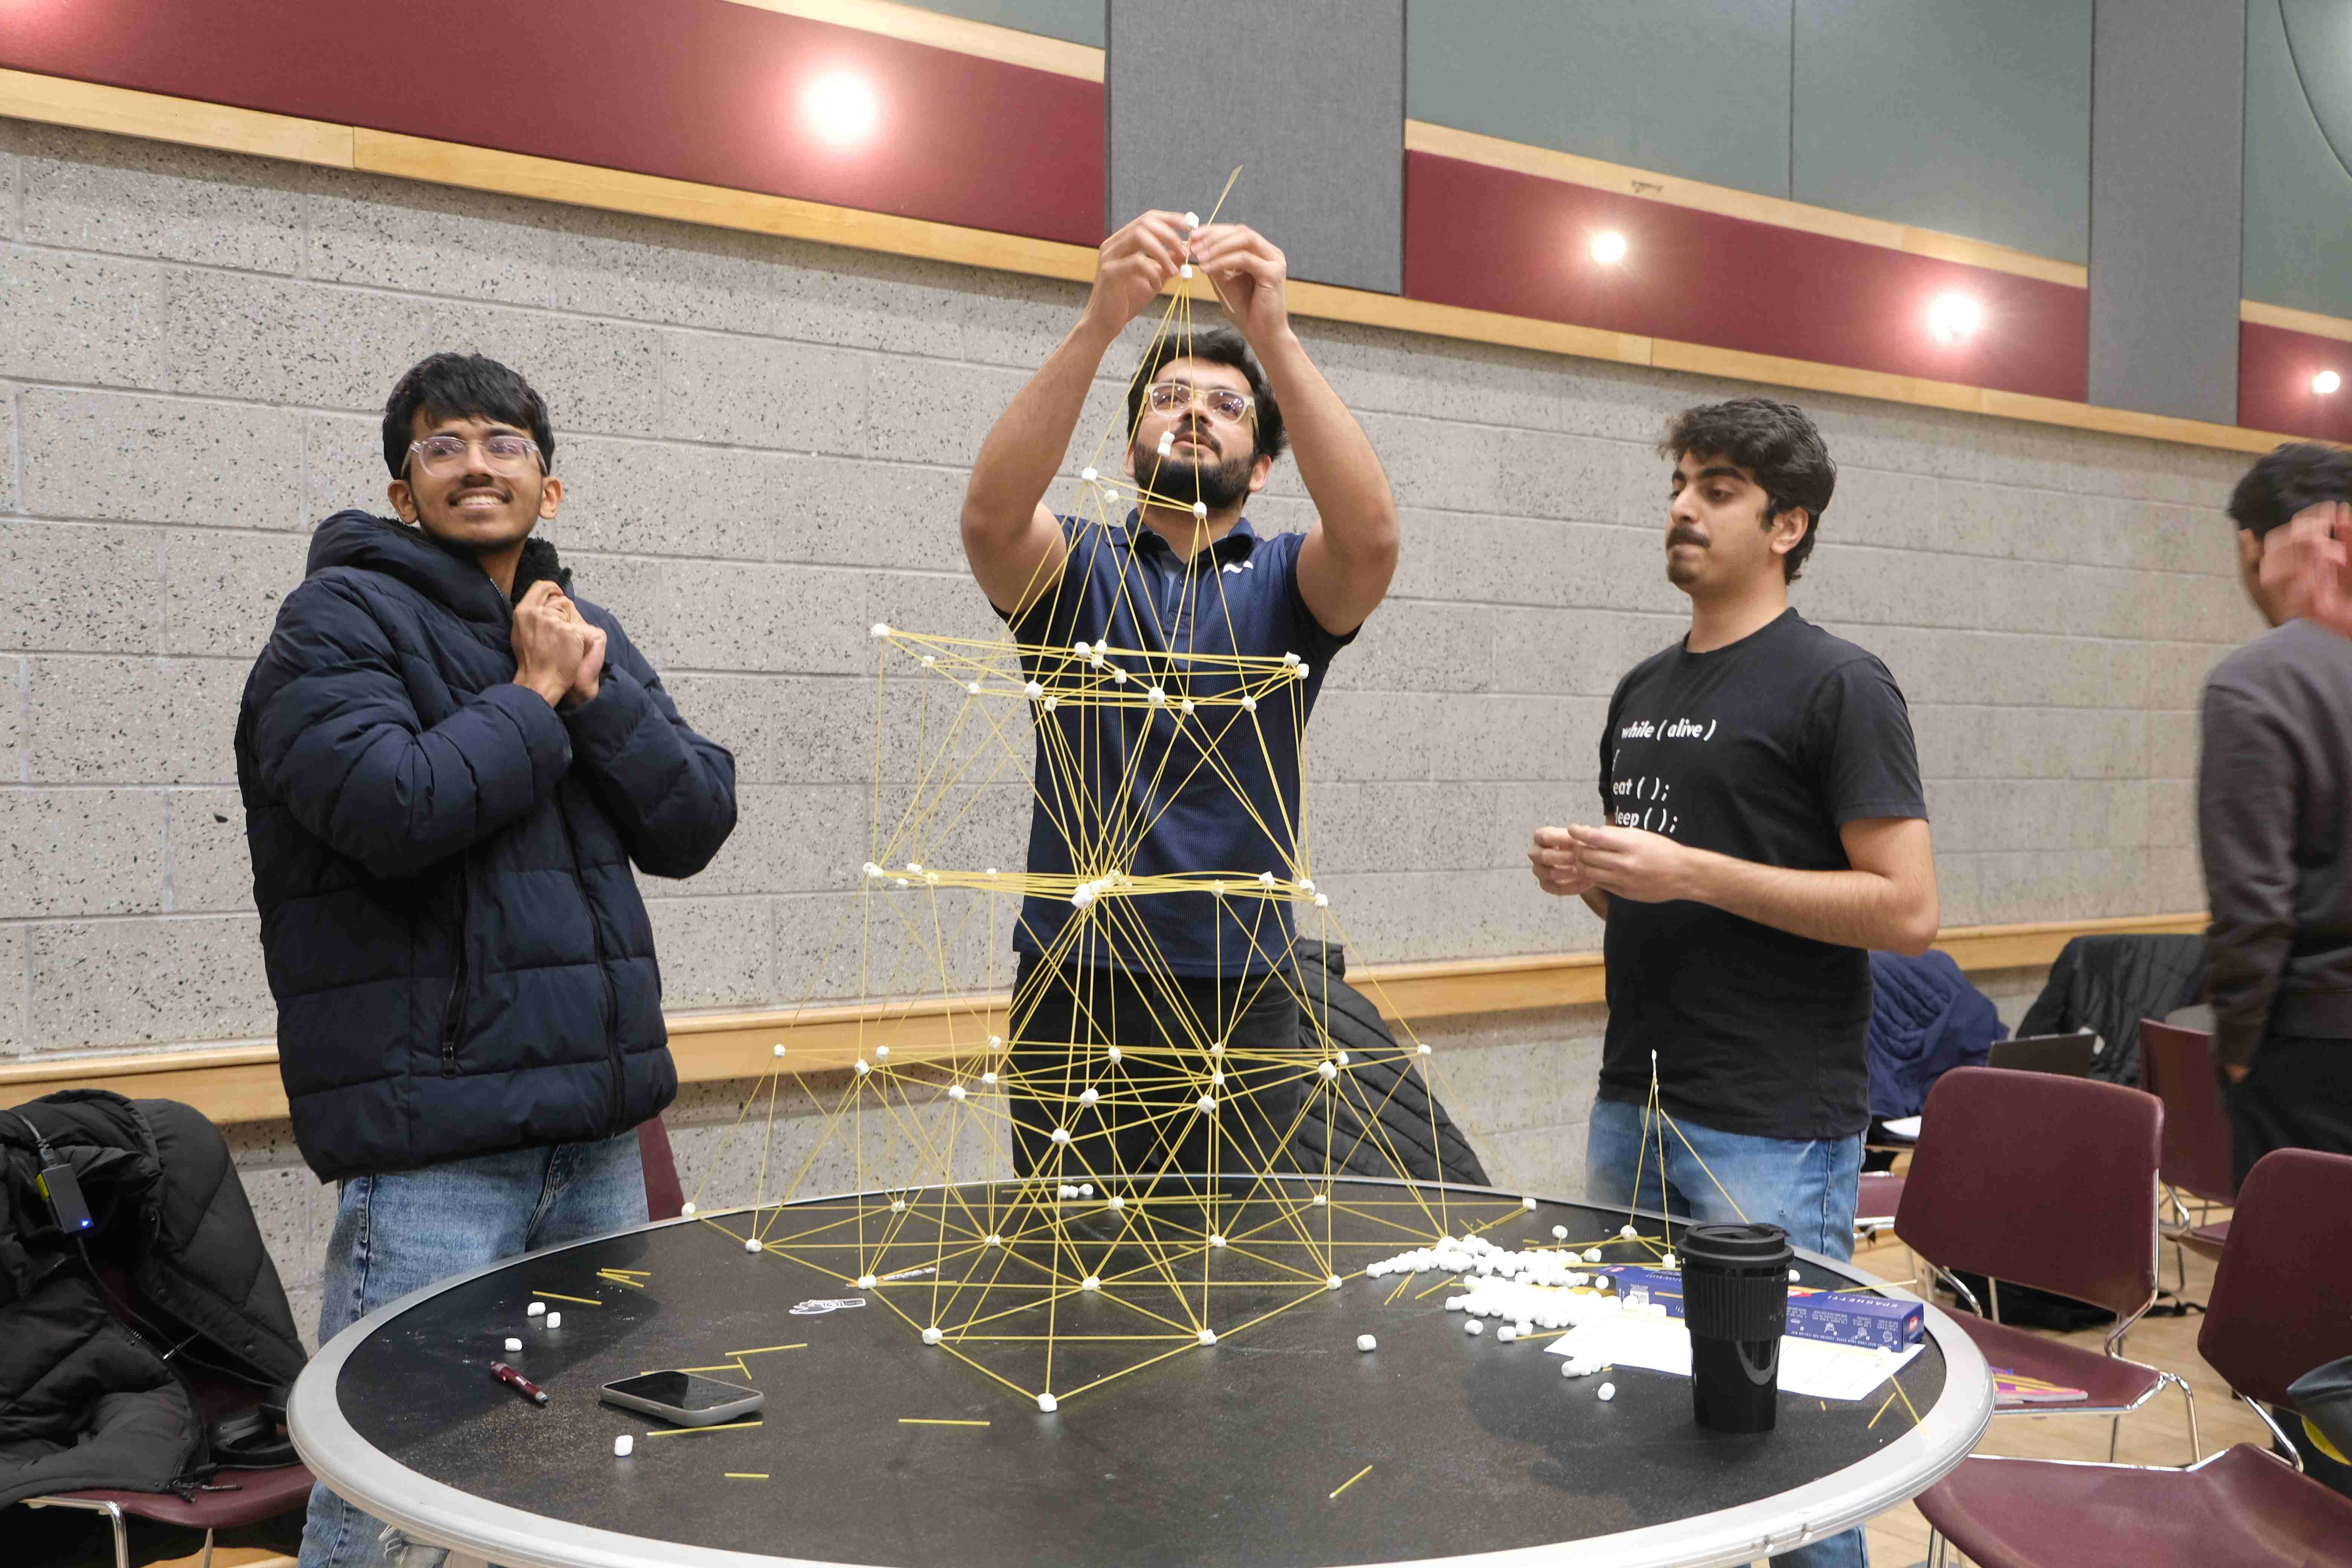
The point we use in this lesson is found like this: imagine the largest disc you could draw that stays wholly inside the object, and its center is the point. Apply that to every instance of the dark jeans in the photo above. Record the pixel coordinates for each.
(2298, 1096)
(1147, 1121)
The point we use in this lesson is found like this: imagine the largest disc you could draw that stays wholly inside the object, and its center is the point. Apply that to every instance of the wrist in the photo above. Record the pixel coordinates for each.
(1096, 330)
(1695, 880)
(547, 687)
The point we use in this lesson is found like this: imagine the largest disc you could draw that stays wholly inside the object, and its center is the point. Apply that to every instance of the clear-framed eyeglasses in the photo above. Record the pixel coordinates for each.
(1224, 402)
(442, 455)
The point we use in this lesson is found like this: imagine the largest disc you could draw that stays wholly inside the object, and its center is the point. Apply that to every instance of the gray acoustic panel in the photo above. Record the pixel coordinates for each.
(1307, 96)
(2168, 129)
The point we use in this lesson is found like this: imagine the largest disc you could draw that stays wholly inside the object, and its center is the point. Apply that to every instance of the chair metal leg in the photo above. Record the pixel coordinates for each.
(2188, 1402)
(2115, 1435)
(207, 1562)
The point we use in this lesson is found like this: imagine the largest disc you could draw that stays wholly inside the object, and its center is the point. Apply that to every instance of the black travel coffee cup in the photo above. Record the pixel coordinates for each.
(1736, 1305)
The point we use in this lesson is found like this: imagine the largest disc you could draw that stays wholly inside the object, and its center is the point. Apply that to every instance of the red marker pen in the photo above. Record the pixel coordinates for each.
(519, 1382)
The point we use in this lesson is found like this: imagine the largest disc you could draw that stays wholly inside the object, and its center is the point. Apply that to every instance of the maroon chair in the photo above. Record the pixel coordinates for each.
(2275, 1314)
(664, 1198)
(259, 1494)
(2176, 1066)
(2048, 1182)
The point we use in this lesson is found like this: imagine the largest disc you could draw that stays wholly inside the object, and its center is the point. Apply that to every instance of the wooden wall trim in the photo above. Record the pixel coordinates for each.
(1421, 136)
(2294, 320)
(160, 118)
(239, 1082)
(1010, 46)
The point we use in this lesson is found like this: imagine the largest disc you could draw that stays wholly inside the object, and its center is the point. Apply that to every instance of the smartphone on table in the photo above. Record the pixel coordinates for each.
(683, 1398)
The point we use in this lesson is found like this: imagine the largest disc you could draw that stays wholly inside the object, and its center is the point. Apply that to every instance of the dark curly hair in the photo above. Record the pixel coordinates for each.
(1775, 442)
(1218, 345)
(463, 386)
(2287, 479)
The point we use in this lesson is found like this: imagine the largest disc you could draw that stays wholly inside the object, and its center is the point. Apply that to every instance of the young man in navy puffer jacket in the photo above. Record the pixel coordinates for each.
(449, 764)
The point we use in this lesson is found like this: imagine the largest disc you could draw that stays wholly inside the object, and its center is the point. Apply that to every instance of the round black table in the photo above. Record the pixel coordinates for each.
(1280, 1443)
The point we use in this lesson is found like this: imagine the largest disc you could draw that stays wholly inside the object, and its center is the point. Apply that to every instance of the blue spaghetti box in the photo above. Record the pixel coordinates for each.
(1842, 1318)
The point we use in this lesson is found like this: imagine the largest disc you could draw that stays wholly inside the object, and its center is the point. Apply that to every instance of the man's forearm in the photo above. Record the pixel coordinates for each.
(1597, 901)
(1849, 909)
(1336, 461)
(1025, 447)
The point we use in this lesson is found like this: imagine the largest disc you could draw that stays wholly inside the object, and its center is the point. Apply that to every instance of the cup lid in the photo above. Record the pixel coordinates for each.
(1736, 1245)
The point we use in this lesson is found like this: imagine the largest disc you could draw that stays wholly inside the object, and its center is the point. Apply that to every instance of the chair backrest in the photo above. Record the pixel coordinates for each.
(2177, 1066)
(2039, 1180)
(2282, 1299)
(665, 1197)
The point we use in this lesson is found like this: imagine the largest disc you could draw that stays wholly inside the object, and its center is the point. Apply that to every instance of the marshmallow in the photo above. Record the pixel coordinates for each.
(1033, 690)
(880, 1052)
(1216, 1241)
(1628, 1232)
(897, 1206)
(1291, 659)
(972, 686)
(1559, 1233)
(1366, 1343)
(1592, 1254)
(514, 1344)
(1265, 878)
(863, 1066)
(1082, 647)
(996, 1042)
(1216, 1081)
(1208, 1336)
(554, 1319)
(1158, 697)
(1191, 220)
(1118, 676)
(623, 1445)
(1116, 1202)
(1110, 1053)
(989, 1078)
(1066, 1192)
(993, 1240)
(1086, 1189)
(955, 1091)
(1090, 1283)
(1332, 1283)
(866, 1282)
(1089, 1095)
(1185, 706)
(1506, 1333)
(780, 1053)
(1606, 1393)
(1668, 1260)
(1185, 270)
(1529, 1205)
(1061, 1136)
(1473, 1326)
(1320, 1200)
(1048, 1403)
(879, 629)
(1200, 508)
(1326, 1071)
(931, 660)
(872, 869)
(1793, 1277)
(687, 1210)
(538, 1308)
(1249, 704)
(1217, 1049)
(751, 1244)
(1424, 1050)
(1207, 1102)
(931, 1336)
(1322, 901)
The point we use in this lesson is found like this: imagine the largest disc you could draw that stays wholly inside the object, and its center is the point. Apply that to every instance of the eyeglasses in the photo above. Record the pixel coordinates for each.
(445, 454)
(1174, 396)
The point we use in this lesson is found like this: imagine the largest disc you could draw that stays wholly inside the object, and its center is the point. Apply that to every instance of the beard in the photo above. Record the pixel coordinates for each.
(1218, 484)
(1681, 571)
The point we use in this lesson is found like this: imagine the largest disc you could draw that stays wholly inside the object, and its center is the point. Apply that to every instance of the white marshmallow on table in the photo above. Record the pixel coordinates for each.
(993, 1240)
(1668, 1260)
(879, 629)
(1606, 1393)
(1592, 1254)
(931, 1336)
(1117, 1202)
(623, 1445)
(751, 1244)
(1208, 1336)
(538, 1308)
(866, 1282)
(1473, 1326)
(1333, 1283)
(1366, 1343)
(1048, 1403)
(554, 1319)
(897, 1206)
(1087, 475)
(1216, 1241)
(1793, 1277)
(1526, 1327)
(1456, 1303)
(1066, 1192)
(1506, 1333)
(1091, 1282)
(1628, 1232)
(1559, 1233)
(1320, 1200)
(972, 686)
(1086, 1189)
(514, 1344)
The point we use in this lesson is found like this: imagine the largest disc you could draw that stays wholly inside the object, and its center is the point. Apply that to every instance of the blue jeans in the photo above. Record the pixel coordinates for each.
(1807, 1186)
(404, 1230)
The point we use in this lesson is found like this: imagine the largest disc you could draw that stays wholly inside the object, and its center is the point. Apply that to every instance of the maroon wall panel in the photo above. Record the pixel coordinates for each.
(1498, 240)
(2274, 371)
(692, 89)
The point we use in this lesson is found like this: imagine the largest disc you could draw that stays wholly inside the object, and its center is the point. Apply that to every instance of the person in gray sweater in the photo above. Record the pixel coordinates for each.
(2273, 801)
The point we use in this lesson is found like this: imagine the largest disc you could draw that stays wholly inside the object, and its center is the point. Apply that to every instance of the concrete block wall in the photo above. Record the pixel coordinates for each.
(764, 443)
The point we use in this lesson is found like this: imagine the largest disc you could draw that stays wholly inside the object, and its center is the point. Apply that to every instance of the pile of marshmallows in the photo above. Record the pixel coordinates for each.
(1527, 1290)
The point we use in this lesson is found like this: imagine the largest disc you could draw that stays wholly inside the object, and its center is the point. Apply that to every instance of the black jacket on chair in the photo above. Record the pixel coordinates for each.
(87, 1399)
(461, 961)
(2108, 984)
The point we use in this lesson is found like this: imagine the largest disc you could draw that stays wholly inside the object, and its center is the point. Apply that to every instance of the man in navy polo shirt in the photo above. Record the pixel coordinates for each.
(1173, 819)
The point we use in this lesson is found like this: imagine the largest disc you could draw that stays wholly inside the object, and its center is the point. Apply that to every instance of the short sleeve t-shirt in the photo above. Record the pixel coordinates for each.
(1213, 792)
(1761, 749)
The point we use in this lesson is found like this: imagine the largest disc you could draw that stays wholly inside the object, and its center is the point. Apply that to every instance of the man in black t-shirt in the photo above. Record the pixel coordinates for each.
(1764, 829)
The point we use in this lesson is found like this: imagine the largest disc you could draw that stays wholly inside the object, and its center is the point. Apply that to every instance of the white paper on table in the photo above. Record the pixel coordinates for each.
(1812, 1368)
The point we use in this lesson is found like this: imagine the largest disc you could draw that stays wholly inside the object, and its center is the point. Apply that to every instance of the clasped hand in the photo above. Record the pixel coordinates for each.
(1623, 862)
(2311, 558)
(1248, 273)
(559, 653)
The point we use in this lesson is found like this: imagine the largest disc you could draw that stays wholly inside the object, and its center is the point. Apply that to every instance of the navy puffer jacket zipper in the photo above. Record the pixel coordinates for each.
(461, 962)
